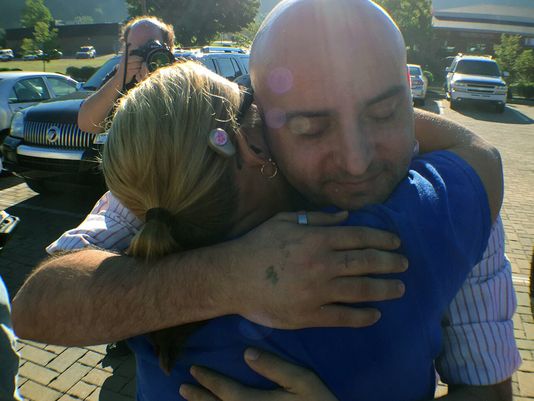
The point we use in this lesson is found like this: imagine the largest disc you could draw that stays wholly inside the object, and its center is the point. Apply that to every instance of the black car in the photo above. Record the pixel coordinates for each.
(47, 148)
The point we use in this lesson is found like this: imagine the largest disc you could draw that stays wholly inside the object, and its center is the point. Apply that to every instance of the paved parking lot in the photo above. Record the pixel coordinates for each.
(50, 373)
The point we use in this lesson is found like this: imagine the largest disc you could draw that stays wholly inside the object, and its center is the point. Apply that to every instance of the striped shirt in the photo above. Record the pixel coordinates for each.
(478, 335)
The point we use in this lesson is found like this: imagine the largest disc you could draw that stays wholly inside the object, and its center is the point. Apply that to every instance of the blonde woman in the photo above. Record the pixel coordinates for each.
(178, 158)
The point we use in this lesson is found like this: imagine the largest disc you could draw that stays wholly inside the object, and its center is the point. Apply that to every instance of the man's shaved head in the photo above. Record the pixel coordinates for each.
(321, 30)
(331, 82)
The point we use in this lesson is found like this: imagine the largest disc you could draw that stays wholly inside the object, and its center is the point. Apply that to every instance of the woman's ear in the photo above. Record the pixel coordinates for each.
(251, 155)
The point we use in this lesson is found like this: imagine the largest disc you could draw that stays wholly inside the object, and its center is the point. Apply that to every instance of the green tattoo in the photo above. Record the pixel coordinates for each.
(272, 275)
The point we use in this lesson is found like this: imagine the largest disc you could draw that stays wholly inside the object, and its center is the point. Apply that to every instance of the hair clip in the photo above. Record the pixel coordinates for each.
(220, 142)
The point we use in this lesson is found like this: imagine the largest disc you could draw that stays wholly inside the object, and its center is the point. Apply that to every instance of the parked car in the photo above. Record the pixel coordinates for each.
(419, 84)
(33, 56)
(230, 62)
(476, 79)
(86, 52)
(226, 61)
(45, 145)
(53, 54)
(6, 55)
(47, 148)
(21, 89)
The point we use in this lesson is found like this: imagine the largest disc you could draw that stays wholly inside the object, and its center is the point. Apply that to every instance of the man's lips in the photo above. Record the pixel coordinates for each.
(357, 185)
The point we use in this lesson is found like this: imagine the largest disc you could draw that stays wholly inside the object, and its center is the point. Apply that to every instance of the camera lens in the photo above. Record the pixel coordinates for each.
(159, 58)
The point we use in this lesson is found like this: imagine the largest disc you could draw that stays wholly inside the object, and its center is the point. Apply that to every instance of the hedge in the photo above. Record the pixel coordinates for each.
(81, 74)
(523, 89)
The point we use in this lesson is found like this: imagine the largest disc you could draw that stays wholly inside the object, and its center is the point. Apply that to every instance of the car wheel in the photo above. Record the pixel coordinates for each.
(37, 186)
(499, 108)
(454, 104)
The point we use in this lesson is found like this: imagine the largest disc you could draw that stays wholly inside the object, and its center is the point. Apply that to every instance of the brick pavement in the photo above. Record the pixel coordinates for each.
(52, 373)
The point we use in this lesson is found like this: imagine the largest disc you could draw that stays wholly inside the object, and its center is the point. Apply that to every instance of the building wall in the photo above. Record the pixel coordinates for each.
(104, 37)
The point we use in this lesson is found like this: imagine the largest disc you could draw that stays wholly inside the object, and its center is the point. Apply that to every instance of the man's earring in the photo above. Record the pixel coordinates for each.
(269, 169)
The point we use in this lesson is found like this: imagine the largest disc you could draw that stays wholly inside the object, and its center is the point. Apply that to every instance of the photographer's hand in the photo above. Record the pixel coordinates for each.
(142, 73)
(133, 69)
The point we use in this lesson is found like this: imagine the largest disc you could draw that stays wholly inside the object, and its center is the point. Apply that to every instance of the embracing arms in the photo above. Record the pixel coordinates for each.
(93, 296)
(436, 133)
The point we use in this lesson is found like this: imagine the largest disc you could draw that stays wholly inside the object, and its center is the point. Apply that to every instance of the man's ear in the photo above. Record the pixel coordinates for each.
(252, 156)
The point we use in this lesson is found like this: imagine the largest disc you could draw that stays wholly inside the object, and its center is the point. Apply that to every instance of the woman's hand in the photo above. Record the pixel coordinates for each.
(296, 383)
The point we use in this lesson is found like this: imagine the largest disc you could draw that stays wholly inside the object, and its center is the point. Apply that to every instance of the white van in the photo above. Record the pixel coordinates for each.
(6, 54)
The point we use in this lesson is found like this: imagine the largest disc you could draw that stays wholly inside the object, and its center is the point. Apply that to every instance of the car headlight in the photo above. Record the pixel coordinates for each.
(459, 85)
(501, 89)
(17, 125)
(101, 139)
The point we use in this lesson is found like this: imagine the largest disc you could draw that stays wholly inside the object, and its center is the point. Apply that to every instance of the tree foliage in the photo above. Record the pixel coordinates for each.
(35, 11)
(196, 22)
(414, 19)
(507, 53)
(524, 66)
(44, 37)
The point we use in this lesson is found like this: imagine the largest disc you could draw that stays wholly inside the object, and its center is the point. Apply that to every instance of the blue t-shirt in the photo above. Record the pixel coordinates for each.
(440, 211)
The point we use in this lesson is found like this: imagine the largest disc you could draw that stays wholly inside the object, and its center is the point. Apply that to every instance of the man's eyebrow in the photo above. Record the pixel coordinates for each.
(393, 91)
(308, 114)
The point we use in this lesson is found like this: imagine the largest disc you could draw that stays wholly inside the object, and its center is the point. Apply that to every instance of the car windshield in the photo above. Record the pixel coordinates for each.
(95, 81)
(474, 67)
(415, 70)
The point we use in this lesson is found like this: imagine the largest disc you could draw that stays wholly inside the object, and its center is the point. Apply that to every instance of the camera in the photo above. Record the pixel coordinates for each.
(155, 54)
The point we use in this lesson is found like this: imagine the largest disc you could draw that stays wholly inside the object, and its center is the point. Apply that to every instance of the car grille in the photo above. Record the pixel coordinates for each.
(64, 166)
(69, 136)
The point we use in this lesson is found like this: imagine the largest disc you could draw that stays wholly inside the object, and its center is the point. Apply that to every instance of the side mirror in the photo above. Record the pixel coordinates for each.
(505, 74)
(79, 85)
(448, 69)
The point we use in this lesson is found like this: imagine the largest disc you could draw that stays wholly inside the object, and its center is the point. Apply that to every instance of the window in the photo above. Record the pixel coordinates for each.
(476, 67)
(415, 71)
(209, 64)
(29, 90)
(226, 68)
(61, 86)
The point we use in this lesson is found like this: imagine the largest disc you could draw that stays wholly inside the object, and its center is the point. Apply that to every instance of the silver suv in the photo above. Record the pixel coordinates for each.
(476, 78)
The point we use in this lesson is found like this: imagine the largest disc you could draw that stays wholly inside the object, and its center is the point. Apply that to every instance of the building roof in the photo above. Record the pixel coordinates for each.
(69, 30)
(499, 16)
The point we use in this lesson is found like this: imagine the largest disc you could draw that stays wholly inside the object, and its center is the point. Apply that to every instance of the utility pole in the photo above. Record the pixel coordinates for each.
(143, 7)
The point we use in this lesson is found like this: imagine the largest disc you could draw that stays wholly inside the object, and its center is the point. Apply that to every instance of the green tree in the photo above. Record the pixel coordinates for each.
(245, 37)
(507, 54)
(45, 37)
(414, 19)
(35, 11)
(28, 46)
(2, 38)
(524, 67)
(196, 22)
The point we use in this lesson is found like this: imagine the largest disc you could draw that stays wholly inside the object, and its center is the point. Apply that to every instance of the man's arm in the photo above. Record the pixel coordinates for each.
(437, 133)
(96, 108)
(281, 275)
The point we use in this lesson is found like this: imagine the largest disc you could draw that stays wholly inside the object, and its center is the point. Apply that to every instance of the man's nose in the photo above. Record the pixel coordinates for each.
(355, 152)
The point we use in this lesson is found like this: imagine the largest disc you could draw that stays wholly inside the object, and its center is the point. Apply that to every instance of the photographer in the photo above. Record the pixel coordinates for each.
(138, 38)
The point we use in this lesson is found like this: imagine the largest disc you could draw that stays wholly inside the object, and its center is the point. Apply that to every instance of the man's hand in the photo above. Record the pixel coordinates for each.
(295, 276)
(296, 383)
(136, 69)
(281, 275)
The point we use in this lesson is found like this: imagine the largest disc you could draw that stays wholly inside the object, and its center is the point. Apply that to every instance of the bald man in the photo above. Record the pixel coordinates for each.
(135, 34)
(346, 181)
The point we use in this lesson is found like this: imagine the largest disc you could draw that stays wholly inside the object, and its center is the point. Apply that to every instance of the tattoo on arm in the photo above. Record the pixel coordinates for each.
(272, 275)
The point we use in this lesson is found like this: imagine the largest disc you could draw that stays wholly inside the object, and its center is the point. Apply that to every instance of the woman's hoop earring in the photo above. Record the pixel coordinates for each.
(264, 171)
